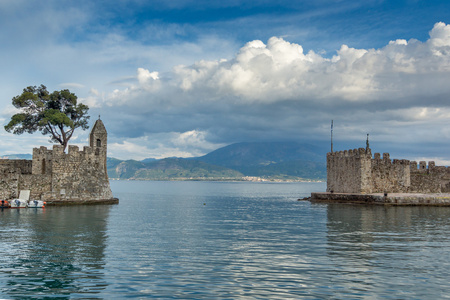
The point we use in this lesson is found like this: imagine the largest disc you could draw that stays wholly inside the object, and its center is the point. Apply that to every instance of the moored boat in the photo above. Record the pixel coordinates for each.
(5, 204)
(18, 203)
(36, 204)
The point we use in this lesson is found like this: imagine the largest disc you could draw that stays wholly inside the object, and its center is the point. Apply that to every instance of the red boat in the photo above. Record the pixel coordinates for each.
(5, 204)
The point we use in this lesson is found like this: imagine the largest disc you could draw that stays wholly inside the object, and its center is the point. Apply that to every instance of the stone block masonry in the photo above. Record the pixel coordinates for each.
(61, 178)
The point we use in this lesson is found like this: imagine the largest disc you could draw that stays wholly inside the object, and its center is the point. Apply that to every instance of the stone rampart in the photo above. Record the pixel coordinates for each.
(355, 171)
(21, 166)
(387, 175)
(75, 175)
(53, 175)
(429, 178)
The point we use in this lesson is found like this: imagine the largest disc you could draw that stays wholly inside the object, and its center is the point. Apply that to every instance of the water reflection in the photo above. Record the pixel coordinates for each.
(384, 249)
(214, 247)
(53, 251)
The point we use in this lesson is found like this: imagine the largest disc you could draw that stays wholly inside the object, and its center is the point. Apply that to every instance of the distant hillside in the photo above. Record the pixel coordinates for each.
(169, 169)
(125, 169)
(272, 160)
(277, 161)
(253, 154)
(17, 156)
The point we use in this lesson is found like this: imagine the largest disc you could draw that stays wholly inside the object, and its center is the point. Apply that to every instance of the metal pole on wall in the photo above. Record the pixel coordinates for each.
(367, 143)
(331, 136)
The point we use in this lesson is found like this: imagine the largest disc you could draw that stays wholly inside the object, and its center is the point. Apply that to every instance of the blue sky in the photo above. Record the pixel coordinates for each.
(182, 78)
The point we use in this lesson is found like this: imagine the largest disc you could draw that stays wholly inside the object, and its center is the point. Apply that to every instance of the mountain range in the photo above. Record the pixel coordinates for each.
(240, 161)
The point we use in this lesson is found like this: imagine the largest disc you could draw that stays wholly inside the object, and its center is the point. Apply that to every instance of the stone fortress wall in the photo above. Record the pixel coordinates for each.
(11, 172)
(55, 176)
(356, 171)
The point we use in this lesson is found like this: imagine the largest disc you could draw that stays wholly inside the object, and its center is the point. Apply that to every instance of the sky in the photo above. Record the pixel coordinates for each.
(183, 78)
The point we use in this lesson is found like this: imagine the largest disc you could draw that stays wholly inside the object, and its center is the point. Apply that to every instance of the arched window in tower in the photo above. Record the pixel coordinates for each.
(99, 143)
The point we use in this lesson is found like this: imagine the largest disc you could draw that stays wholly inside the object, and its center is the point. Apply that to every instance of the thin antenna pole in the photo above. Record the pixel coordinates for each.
(331, 136)
(367, 143)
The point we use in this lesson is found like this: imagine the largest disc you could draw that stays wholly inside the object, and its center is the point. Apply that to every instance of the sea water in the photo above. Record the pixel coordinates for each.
(224, 240)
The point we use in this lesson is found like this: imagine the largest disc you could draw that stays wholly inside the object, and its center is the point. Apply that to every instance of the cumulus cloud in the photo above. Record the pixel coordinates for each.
(275, 90)
(144, 75)
(280, 70)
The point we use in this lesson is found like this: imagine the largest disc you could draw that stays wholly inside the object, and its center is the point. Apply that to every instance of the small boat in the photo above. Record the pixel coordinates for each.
(36, 204)
(5, 204)
(18, 203)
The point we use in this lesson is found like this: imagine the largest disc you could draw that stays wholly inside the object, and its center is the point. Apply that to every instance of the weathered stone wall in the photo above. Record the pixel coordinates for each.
(37, 184)
(348, 171)
(431, 179)
(42, 161)
(78, 175)
(389, 176)
(10, 173)
(22, 166)
(366, 173)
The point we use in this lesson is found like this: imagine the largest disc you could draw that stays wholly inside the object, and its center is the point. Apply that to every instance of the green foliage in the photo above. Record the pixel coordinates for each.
(55, 114)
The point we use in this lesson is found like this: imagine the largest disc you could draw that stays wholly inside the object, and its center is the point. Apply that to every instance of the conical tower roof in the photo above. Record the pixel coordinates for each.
(98, 126)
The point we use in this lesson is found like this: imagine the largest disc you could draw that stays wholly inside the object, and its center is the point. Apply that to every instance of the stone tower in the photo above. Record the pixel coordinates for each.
(98, 139)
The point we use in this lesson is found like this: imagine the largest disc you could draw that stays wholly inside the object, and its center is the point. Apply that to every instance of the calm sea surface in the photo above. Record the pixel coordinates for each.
(223, 240)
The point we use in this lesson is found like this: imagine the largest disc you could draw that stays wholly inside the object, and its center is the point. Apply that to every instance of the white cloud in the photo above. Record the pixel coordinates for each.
(22, 144)
(144, 75)
(440, 35)
(127, 149)
(194, 139)
(161, 145)
(279, 71)
(93, 100)
(71, 85)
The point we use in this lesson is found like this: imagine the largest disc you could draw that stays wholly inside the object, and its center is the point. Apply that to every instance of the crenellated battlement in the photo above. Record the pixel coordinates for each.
(57, 150)
(402, 162)
(357, 153)
(386, 159)
(422, 166)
